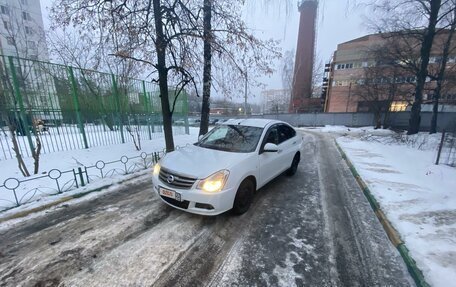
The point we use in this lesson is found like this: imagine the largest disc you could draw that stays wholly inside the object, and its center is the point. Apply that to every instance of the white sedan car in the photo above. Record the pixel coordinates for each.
(227, 165)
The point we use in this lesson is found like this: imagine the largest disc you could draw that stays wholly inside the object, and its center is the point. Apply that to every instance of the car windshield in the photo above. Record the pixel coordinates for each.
(232, 138)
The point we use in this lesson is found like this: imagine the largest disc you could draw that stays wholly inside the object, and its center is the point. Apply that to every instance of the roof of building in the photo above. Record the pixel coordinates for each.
(360, 39)
(388, 34)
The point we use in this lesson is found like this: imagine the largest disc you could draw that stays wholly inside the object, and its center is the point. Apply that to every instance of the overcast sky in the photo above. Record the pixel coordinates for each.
(337, 22)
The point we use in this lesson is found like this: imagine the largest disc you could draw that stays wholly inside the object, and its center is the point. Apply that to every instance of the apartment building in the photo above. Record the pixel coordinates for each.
(358, 75)
(22, 29)
(275, 101)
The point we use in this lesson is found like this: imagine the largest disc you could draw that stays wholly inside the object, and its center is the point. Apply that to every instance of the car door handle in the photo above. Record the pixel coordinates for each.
(279, 151)
(295, 142)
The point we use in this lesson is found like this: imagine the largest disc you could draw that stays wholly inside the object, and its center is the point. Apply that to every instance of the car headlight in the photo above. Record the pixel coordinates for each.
(156, 169)
(214, 182)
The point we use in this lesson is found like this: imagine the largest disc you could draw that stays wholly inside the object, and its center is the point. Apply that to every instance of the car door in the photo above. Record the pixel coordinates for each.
(269, 161)
(287, 145)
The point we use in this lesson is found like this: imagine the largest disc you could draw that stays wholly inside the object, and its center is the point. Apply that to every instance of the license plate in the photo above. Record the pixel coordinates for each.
(169, 193)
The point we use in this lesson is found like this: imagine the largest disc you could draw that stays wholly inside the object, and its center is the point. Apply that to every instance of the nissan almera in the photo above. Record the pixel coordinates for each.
(226, 166)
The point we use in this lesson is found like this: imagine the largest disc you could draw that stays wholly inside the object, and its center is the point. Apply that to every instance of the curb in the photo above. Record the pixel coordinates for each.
(393, 235)
(59, 201)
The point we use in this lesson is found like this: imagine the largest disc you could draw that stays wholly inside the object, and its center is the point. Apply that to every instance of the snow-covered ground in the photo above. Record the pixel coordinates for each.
(68, 137)
(418, 197)
(33, 190)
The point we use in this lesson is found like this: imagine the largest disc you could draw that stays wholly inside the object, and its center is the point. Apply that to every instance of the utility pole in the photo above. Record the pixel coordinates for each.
(245, 94)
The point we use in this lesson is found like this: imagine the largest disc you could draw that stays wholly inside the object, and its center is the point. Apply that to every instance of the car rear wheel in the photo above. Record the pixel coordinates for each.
(244, 197)
(294, 165)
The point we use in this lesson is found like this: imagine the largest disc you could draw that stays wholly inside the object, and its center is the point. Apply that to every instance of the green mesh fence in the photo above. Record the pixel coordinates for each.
(70, 108)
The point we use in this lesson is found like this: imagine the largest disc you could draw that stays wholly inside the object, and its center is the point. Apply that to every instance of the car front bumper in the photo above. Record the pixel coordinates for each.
(197, 201)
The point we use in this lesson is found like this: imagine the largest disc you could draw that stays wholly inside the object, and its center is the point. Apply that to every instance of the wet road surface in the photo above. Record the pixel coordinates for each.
(312, 229)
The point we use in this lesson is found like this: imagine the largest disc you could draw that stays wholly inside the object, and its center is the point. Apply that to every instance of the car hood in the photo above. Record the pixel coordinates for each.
(195, 161)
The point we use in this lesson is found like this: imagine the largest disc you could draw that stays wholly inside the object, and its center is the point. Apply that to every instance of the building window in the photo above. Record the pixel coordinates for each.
(4, 10)
(28, 30)
(26, 16)
(31, 45)
(400, 80)
(345, 66)
(5, 24)
(10, 41)
(398, 106)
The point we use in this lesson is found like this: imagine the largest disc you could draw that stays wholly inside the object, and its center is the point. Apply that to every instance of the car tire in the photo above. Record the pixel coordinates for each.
(294, 165)
(244, 197)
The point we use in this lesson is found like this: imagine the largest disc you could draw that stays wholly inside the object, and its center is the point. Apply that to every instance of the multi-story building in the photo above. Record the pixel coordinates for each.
(363, 72)
(275, 101)
(22, 29)
(22, 38)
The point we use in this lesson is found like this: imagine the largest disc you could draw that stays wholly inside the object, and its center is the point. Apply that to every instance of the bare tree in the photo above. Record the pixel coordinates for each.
(317, 75)
(233, 52)
(157, 33)
(26, 41)
(377, 88)
(288, 71)
(79, 49)
(415, 23)
(207, 65)
(439, 73)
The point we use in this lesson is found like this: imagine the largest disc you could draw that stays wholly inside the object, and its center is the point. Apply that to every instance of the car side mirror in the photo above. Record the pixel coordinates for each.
(270, 147)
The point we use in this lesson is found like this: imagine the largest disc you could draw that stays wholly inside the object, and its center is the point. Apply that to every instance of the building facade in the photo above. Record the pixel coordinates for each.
(22, 29)
(22, 42)
(365, 74)
(275, 101)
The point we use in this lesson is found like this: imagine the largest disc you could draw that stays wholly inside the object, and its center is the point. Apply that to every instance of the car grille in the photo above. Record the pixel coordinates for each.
(180, 181)
(181, 204)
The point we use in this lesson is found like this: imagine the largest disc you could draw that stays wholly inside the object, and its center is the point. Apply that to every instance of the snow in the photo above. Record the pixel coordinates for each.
(31, 190)
(68, 138)
(417, 196)
(143, 259)
(343, 130)
(114, 184)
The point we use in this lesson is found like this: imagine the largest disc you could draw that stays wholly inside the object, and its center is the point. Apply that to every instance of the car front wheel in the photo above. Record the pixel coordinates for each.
(244, 197)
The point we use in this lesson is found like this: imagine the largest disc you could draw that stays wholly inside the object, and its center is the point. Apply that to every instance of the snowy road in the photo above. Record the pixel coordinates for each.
(313, 229)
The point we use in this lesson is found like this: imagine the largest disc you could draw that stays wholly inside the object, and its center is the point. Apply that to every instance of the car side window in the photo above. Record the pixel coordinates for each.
(285, 133)
(273, 136)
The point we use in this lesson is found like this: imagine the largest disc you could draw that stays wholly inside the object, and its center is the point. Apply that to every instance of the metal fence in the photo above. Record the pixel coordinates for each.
(18, 191)
(68, 108)
(399, 120)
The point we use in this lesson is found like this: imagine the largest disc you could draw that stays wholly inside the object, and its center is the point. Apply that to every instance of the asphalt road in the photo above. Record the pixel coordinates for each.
(313, 229)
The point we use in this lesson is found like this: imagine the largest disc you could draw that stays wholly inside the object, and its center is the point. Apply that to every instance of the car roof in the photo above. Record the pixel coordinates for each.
(261, 123)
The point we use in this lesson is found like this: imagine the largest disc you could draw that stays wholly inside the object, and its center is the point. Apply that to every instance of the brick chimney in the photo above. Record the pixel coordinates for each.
(301, 100)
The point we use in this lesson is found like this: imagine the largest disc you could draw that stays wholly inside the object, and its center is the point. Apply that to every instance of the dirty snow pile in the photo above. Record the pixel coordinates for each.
(418, 197)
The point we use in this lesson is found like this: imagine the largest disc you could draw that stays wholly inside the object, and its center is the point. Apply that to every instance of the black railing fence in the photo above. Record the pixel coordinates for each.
(15, 192)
